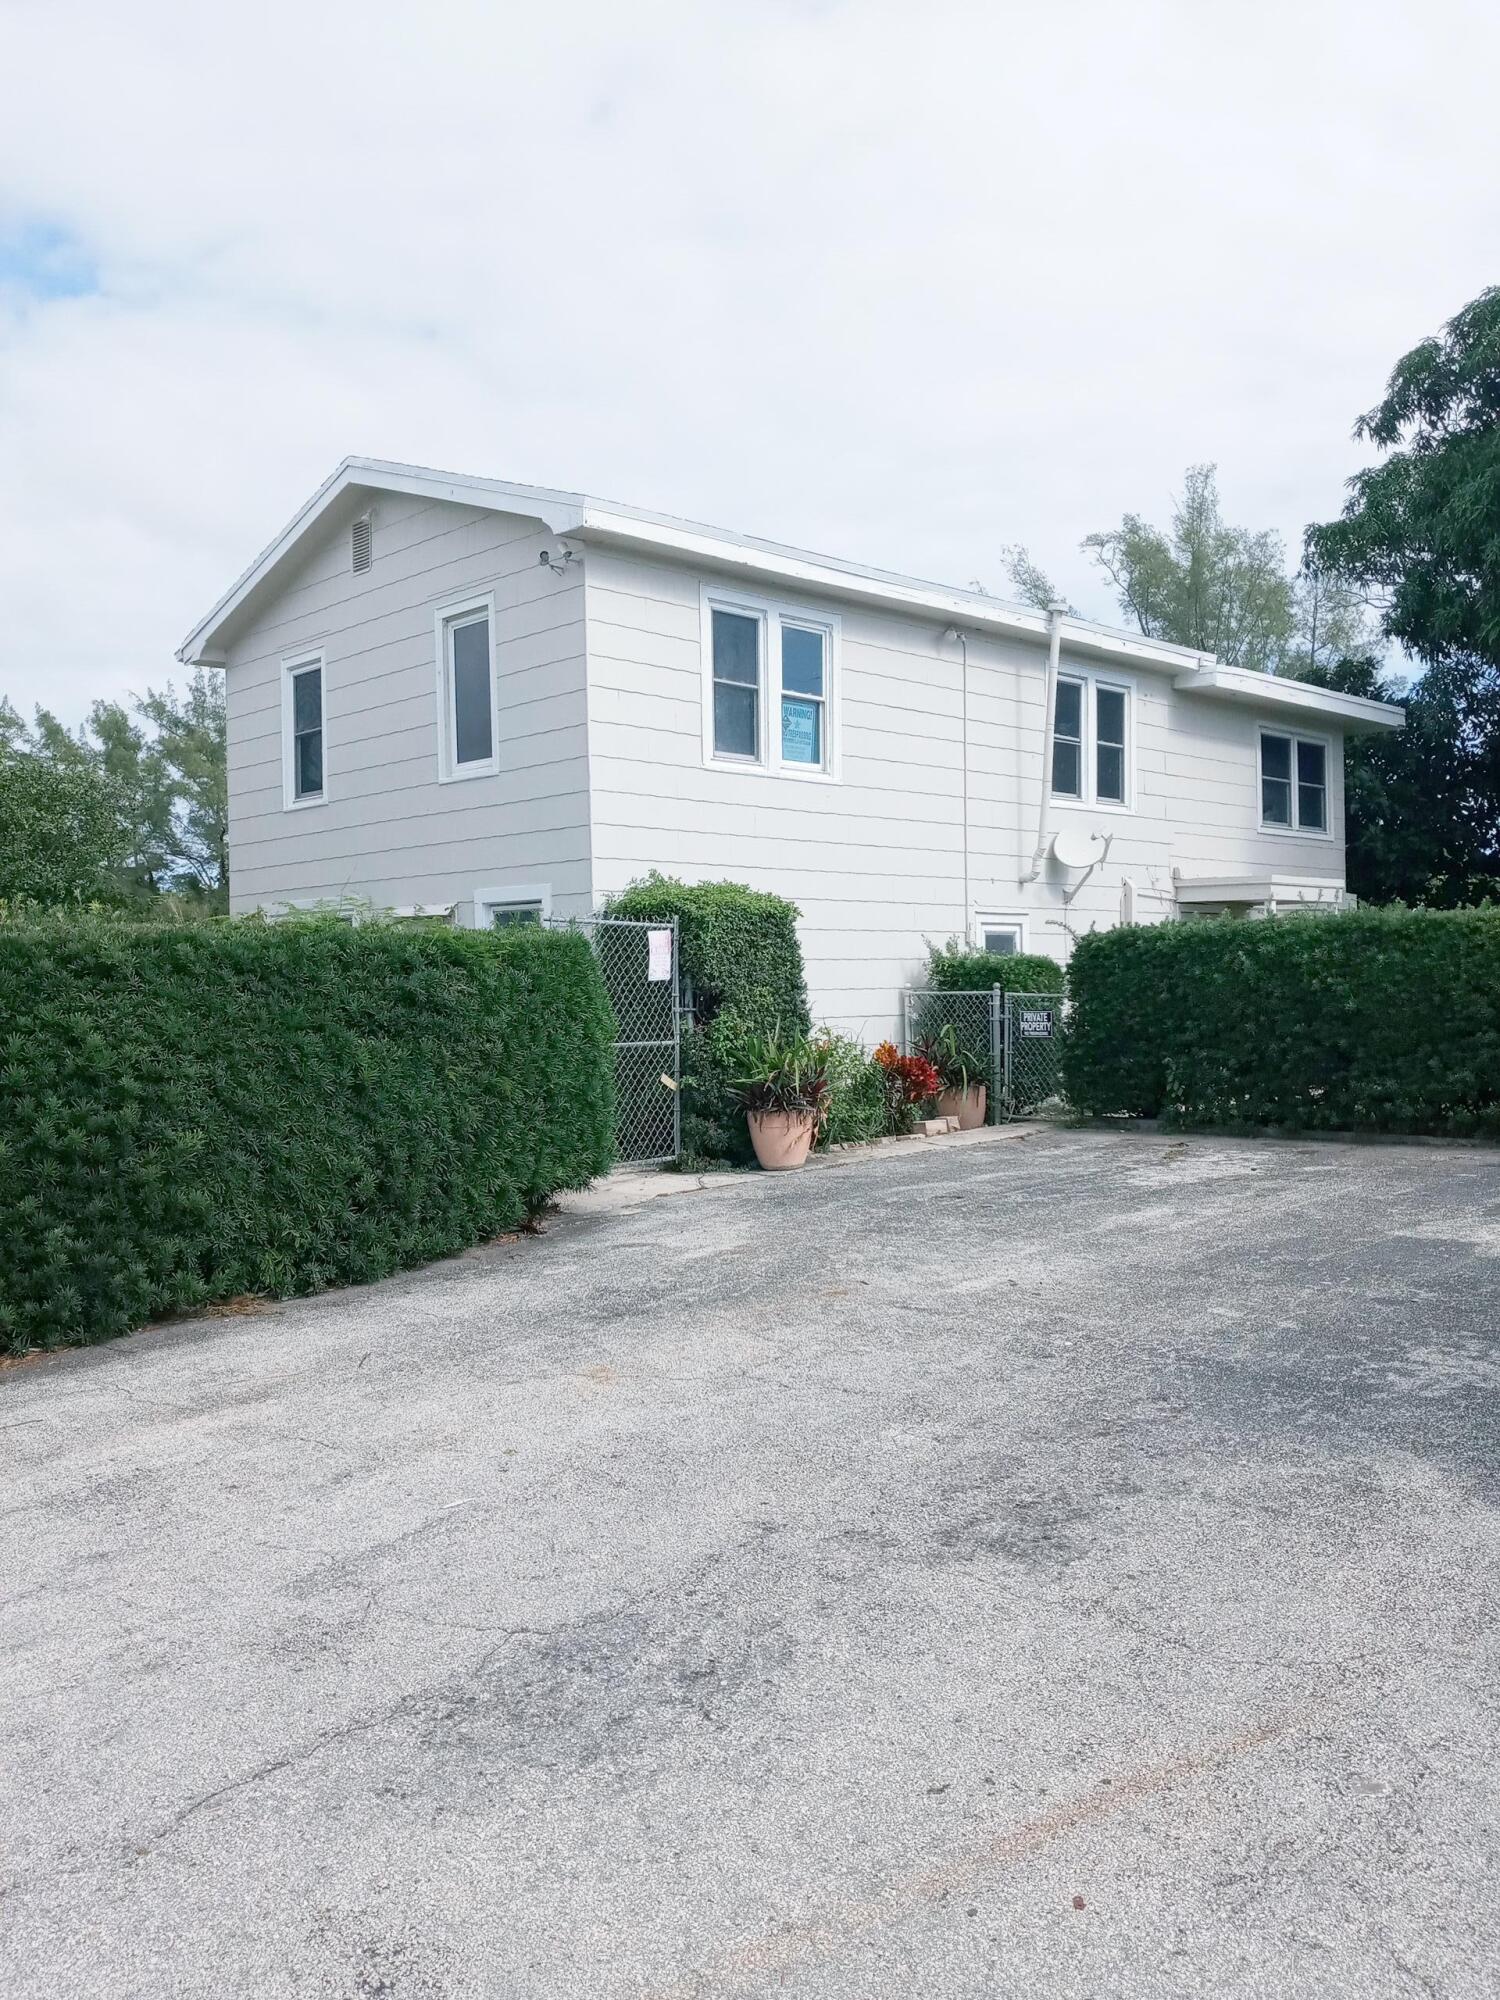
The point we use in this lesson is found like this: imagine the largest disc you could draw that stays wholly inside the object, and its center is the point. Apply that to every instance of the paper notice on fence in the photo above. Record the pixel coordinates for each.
(659, 944)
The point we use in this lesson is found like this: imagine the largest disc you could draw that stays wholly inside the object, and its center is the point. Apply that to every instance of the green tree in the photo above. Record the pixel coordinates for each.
(1031, 582)
(1202, 583)
(190, 741)
(1420, 534)
(164, 760)
(63, 832)
(1333, 623)
(1220, 589)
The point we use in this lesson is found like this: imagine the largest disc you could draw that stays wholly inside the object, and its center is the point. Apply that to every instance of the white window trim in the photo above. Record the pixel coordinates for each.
(487, 900)
(293, 664)
(450, 771)
(1294, 831)
(771, 613)
(1089, 801)
(1000, 920)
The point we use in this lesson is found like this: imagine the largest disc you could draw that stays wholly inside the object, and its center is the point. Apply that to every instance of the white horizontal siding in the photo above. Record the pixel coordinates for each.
(876, 862)
(388, 831)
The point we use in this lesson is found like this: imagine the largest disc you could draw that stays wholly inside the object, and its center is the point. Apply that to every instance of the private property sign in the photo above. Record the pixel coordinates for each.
(1036, 1023)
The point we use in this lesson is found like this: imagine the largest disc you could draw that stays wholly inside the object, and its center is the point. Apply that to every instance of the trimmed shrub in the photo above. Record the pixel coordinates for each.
(955, 969)
(740, 953)
(194, 1112)
(739, 947)
(1378, 1020)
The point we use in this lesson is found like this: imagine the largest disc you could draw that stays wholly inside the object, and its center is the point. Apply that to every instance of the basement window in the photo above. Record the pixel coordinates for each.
(512, 903)
(1005, 936)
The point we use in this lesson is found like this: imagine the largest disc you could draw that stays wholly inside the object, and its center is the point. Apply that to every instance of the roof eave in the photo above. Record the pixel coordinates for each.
(559, 512)
(1285, 696)
(610, 528)
(609, 525)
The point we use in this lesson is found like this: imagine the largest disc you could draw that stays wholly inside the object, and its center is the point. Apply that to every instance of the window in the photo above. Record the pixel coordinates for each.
(736, 684)
(1067, 741)
(303, 731)
(512, 903)
(1109, 744)
(1004, 936)
(769, 687)
(466, 691)
(1293, 783)
(1312, 785)
(1091, 742)
(802, 671)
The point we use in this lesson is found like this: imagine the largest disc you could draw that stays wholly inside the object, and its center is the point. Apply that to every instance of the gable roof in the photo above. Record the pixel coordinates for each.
(606, 523)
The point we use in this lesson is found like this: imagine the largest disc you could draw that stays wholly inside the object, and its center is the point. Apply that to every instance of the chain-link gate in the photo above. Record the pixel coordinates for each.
(1010, 1042)
(968, 1026)
(638, 963)
(1033, 1051)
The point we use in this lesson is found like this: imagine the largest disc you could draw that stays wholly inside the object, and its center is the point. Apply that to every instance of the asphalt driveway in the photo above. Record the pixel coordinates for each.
(1066, 1565)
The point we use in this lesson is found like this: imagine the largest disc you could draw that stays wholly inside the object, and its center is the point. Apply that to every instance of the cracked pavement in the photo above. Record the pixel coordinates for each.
(1061, 1566)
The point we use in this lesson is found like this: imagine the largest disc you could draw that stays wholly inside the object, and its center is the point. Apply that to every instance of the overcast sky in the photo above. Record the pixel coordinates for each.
(903, 283)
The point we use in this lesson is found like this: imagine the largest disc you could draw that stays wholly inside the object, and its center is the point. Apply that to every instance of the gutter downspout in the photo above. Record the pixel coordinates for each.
(1055, 616)
(954, 633)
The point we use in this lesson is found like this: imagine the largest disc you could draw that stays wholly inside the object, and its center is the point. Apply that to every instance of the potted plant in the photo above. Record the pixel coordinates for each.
(782, 1082)
(963, 1094)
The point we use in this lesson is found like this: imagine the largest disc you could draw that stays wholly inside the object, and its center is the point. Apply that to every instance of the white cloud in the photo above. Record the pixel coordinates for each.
(903, 284)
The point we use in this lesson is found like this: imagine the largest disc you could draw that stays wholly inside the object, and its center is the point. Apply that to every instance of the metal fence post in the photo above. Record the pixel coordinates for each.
(999, 1052)
(676, 1047)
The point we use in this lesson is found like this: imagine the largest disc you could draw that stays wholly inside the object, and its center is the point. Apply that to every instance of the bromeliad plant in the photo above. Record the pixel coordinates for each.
(782, 1082)
(958, 1066)
(776, 1072)
(962, 1073)
(909, 1082)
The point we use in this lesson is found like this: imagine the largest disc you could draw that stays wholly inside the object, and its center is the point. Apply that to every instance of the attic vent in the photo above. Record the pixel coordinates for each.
(359, 541)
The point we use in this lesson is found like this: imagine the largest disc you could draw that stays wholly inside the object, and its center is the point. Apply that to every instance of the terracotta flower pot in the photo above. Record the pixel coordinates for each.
(967, 1106)
(781, 1138)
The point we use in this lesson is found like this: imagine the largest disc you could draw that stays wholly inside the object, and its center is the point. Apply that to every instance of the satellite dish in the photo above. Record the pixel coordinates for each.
(1073, 847)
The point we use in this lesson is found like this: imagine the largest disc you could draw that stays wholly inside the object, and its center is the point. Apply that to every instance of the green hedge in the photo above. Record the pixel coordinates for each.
(743, 962)
(739, 946)
(1379, 1020)
(956, 969)
(191, 1113)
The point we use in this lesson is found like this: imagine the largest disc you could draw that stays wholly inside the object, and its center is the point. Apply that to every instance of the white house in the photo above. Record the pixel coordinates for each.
(464, 696)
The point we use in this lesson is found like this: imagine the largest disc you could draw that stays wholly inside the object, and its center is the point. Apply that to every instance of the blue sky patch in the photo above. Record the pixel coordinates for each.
(42, 261)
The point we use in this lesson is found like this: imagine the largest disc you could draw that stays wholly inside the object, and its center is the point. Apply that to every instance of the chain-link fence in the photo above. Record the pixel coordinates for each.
(1033, 1051)
(967, 1026)
(638, 963)
(1010, 1042)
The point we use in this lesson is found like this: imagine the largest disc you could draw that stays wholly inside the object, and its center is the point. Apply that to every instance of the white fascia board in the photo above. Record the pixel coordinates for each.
(556, 511)
(612, 527)
(608, 524)
(761, 562)
(1289, 697)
